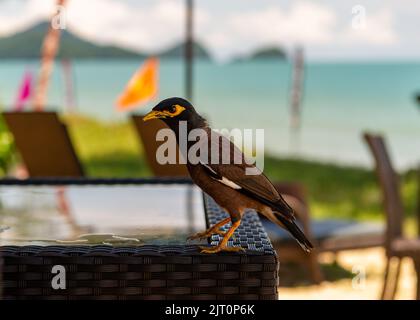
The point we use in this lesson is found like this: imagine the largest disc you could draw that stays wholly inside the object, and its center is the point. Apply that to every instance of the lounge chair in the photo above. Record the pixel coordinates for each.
(147, 134)
(328, 235)
(396, 245)
(44, 144)
(46, 150)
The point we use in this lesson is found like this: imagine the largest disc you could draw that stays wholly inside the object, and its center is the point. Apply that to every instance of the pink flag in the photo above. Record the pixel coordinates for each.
(24, 91)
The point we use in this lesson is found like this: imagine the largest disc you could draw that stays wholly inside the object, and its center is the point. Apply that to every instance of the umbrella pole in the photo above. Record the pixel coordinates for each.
(189, 59)
(189, 54)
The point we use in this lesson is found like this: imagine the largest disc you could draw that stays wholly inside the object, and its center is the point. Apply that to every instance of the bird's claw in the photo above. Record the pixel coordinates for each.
(220, 233)
(220, 248)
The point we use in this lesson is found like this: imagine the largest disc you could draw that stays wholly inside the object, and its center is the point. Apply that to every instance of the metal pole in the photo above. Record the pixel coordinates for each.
(189, 54)
(296, 97)
(70, 101)
(189, 59)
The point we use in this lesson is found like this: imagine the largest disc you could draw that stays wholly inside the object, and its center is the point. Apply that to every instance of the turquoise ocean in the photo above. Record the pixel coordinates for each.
(340, 101)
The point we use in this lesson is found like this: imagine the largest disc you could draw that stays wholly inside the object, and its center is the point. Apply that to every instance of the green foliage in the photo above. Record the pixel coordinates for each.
(27, 44)
(178, 51)
(340, 191)
(6, 148)
(268, 53)
(107, 149)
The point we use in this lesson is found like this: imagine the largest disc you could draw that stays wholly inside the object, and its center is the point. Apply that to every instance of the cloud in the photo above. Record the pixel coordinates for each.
(311, 24)
(18, 14)
(118, 22)
(155, 24)
(151, 27)
(147, 27)
(304, 22)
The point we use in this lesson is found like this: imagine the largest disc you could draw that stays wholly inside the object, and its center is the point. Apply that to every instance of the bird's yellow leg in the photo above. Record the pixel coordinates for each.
(212, 230)
(223, 244)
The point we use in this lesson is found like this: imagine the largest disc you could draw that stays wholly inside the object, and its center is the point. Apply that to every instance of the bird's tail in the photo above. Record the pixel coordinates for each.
(291, 226)
(286, 221)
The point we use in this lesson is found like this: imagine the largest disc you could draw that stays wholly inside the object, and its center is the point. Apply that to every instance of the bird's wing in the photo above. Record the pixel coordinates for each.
(233, 173)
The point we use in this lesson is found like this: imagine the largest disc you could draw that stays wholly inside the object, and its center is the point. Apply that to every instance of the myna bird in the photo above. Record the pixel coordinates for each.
(226, 182)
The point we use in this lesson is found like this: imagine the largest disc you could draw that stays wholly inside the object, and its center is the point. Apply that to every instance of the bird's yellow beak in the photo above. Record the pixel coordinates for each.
(154, 115)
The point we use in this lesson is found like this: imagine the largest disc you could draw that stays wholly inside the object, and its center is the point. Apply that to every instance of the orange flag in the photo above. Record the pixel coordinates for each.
(142, 87)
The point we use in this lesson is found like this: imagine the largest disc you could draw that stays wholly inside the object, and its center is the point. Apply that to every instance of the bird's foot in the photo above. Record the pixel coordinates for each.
(205, 234)
(220, 248)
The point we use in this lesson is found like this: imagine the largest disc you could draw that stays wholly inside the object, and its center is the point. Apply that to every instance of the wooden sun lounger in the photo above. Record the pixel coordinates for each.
(147, 134)
(44, 144)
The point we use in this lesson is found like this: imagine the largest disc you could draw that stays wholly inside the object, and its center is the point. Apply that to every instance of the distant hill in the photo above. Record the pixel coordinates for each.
(177, 51)
(27, 44)
(264, 54)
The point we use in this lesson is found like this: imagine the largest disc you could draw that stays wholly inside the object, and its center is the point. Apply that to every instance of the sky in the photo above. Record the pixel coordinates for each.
(328, 29)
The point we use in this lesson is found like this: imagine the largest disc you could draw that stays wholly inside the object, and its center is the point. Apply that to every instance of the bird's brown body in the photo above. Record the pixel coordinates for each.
(230, 199)
(228, 182)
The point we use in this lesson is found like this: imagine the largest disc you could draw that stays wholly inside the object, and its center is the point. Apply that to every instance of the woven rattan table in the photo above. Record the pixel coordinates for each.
(147, 271)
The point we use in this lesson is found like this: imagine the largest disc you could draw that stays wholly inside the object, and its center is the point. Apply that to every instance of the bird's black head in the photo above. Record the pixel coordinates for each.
(173, 110)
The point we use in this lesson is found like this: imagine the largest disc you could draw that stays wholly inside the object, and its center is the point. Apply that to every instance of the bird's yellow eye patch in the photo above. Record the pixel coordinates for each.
(175, 110)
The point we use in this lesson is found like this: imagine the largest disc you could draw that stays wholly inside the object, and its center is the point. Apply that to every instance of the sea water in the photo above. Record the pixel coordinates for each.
(340, 101)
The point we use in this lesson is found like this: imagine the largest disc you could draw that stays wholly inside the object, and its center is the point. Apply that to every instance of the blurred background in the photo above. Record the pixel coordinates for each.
(314, 75)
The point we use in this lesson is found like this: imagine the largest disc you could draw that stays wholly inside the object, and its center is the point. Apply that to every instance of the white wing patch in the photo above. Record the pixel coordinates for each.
(229, 183)
(224, 180)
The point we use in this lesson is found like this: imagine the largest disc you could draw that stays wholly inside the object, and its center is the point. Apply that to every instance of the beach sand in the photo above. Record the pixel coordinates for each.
(373, 262)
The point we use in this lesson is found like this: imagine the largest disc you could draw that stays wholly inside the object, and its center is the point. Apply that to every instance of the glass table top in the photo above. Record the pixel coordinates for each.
(95, 214)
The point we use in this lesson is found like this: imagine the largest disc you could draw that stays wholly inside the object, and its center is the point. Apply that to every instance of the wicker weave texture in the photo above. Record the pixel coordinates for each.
(147, 272)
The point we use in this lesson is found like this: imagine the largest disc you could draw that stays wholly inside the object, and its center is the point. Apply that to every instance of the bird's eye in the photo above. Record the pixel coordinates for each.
(172, 109)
